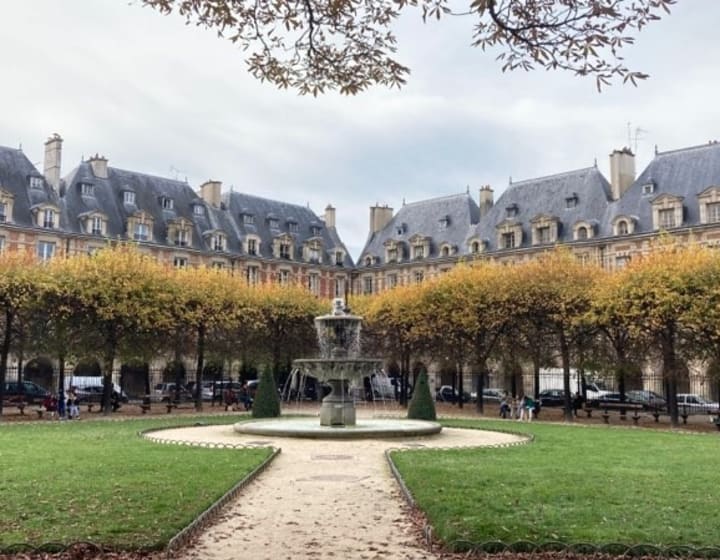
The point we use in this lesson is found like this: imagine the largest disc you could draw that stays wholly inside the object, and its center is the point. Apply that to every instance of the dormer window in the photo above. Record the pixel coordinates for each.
(401, 229)
(509, 235)
(292, 227)
(87, 189)
(368, 261)
(544, 229)
(315, 231)
(48, 218)
(571, 201)
(648, 188)
(141, 232)
(667, 211)
(252, 246)
(248, 219)
(666, 218)
(198, 210)
(274, 223)
(445, 251)
(582, 233)
(511, 211)
(444, 223)
(167, 203)
(712, 210)
(129, 197)
(96, 225)
(339, 258)
(392, 255)
(181, 237)
(3, 211)
(219, 242)
(475, 247)
(622, 227)
(419, 252)
(36, 182)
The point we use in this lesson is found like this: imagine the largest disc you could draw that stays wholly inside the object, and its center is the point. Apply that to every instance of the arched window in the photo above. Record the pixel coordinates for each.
(582, 233)
(622, 227)
(446, 251)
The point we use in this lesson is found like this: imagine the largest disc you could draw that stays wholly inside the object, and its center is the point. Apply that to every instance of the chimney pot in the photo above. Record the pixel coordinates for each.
(211, 192)
(53, 160)
(99, 166)
(622, 171)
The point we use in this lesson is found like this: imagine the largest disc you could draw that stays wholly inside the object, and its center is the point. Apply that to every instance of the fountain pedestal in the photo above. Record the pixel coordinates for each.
(337, 408)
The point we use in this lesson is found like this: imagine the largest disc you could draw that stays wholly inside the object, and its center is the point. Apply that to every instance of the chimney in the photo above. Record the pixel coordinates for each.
(53, 160)
(486, 199)
(211, 192)
(622, 171)
(329, 216)
(99, 166)
(380, 216)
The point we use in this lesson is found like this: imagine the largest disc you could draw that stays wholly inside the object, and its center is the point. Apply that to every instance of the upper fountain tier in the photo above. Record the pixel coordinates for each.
(338, 332)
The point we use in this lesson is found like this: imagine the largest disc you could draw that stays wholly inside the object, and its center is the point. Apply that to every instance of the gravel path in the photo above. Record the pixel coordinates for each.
(320, 499)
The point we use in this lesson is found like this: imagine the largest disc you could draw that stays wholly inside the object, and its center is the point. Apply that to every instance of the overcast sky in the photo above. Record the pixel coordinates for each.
(155, 96)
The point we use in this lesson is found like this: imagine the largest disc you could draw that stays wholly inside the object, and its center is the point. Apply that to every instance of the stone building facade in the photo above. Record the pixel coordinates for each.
(601, 221)
(264, 240)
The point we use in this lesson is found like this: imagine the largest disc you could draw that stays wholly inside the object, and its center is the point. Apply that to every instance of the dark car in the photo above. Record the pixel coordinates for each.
(27, 391)
(447, 393)
(94, 394)
(649, 399)
(552, 397)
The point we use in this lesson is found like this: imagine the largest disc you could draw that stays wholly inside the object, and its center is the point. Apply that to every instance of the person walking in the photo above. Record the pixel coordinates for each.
(529, 406)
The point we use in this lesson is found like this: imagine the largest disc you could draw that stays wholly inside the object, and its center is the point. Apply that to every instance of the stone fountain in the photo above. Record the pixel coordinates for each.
(340, 366)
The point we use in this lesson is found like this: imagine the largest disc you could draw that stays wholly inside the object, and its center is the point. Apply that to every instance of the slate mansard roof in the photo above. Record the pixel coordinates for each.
(424, 218)
(549, 196)
(108, 199)
(684, 173)
(15, 172)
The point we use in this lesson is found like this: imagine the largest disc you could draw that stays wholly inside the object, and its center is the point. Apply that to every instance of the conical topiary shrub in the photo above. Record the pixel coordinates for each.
(422, 405)
(267, 400)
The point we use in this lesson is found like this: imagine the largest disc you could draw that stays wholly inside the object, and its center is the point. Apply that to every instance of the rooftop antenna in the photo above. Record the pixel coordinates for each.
(467, 189)
(634, 134)
(175, 172)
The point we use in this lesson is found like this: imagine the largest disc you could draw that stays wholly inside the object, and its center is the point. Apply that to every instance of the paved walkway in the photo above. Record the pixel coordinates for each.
(320, 499)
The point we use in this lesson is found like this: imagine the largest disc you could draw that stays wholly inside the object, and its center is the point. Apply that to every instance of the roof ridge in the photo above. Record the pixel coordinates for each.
(150, 175)
(435, 199)
(711, 144)
(553, 175)
(274, 200)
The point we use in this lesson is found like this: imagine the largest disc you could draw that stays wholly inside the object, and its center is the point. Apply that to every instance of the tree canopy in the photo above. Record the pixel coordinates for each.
(318, 45)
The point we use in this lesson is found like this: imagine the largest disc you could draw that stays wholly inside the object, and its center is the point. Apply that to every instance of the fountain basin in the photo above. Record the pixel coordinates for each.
(365, 428)
(348, 369)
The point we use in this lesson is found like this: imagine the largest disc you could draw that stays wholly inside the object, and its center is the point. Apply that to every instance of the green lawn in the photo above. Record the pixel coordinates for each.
(98, 481)
(574, 484)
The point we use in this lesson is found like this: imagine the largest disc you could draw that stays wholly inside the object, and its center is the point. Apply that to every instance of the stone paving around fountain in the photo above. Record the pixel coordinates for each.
(320, 499)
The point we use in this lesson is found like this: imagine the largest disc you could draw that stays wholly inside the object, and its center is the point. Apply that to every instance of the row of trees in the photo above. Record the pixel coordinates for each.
(556, 310)
(121, 305)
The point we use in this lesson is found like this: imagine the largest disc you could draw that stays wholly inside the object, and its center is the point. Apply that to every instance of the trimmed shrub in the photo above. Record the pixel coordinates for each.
(267, 400)
(422, 405)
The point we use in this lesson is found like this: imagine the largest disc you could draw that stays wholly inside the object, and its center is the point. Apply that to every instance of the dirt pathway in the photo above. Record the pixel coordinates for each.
(320, 499)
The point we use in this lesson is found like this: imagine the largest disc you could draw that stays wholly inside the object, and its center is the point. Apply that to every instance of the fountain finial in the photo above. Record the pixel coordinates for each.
(338, 306)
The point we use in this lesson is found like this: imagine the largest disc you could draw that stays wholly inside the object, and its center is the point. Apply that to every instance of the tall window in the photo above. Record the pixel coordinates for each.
(391, 280)
(582, 233)
(712, 209)
(340, 287)
(419, 276)
(218, 242)
(445, 251)
(45, 250)
(181, 237)
(314, 254)
(314, 283)
(666, 217)
(508, 240)
(392, 255)
(622, 261)
(543, 234)
(96, 225)
(622, 227)
(167, 203)
(284, 277)
(48, 218)
(2, 243)
(252, 275)
(475, 247)
(252, 247)
(339, 258)
(129, 197)
(142, 232)
(419, 252)
(367, 285)
(3, 212)
(180, 262)
(284, 250)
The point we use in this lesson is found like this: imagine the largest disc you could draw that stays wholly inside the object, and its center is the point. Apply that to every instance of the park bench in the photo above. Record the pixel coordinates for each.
(144, 407)
(20, 405)
(623, 408)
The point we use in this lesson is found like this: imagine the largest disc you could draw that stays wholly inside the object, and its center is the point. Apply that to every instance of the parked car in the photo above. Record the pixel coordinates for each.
(691, 403)
(27, 391)
(447, 393)
(649, 399)
(489, 395)
(94, 393)
(552, 397)
(165, 392)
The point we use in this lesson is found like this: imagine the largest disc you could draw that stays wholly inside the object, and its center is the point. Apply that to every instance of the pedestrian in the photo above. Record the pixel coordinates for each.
(529, 406)
(520, 408)
(577, 403)
(504, 407)
(245, 396)
(73, 405)
(229, 398)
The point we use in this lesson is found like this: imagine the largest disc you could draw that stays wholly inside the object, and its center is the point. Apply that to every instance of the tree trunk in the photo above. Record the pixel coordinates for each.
(200, 365)
(4, 353)
(108, 363)
(480, 402)
(61, 386)
(460, 384)
(565, 356)
(670, 374)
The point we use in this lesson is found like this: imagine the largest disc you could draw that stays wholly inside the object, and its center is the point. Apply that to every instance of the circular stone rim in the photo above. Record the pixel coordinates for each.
(364, 429)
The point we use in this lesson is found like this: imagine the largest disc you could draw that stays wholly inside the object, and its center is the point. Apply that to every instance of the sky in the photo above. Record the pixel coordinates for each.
(156, 96)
